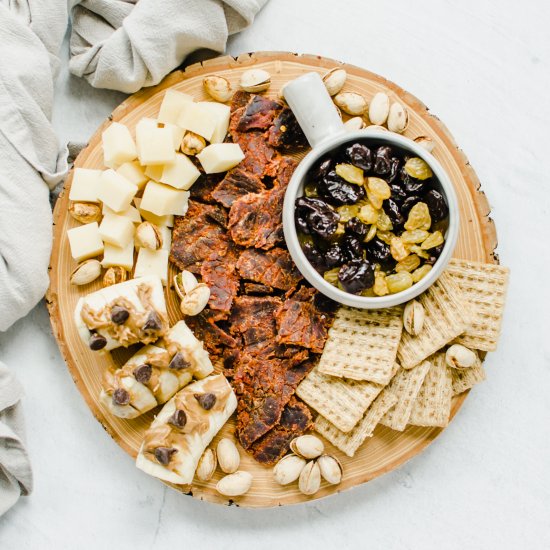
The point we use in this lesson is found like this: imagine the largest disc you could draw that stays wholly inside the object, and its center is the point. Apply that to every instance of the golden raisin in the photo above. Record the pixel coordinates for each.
(435, 239)
(350, 173)
(419, 217)
(418, 169)
(379, 188)
(374, 200)
(399, 281)
(414, 236)
(347, 211)
(368, 214)
(385, 236)
(380, 286)
(421, 272)
(331, 276)
(371, 234)
(310, 190)
(415, 249)
(398, 250)
(384, 223)
(409, 264)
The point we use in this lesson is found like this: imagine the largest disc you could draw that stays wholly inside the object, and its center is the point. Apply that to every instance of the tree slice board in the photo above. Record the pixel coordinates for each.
(387, 449)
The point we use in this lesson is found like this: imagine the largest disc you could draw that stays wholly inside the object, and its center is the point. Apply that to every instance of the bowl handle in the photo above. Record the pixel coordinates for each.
(313, 107)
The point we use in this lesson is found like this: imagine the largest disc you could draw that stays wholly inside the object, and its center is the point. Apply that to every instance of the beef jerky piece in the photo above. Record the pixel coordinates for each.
(198, 235)
(237, 182)
(255, 220)
(273, 268)
(264, 386)
(219, 273)
(295, 420)
(202, 189)
(285, 169)
(286, 132)
(254, 318)
(215, 339)
(255, 288)
(260, 158)
(259, 114)
(239, 100)
(300, 323)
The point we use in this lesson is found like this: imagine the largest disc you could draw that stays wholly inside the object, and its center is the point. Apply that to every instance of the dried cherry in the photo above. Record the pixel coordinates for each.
(357, 227)
(360, 155)
(338, 190)
(436, 205)
(356, 275)
(316, 216)
(382, 160)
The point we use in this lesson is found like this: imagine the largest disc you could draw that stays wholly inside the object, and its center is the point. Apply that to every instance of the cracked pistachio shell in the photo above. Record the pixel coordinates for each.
(86, 272)
(425, 142)
(192, 144)
(207, 465)
(310, 478)
(460, 357)
(379, 108)
(85, 212)
(195, 301)
(355, 123)
(218, 87)
(413, 317)
(307, 446)
(334, 80)
(398, 118)
(184, 282)
(377, 128)
(351, 103)
(331, 469)
(229, 458)
(114, 275)
(234, 485)
(148, 235)
(255, 80)
(288, 469)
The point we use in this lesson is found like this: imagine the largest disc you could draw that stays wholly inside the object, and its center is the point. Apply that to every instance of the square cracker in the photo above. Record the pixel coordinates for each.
(362, 344)
(349, 442)
(445, 319)
(405, 386)
(342, 402)
(483, 288)
(464, 379)
(432, 406)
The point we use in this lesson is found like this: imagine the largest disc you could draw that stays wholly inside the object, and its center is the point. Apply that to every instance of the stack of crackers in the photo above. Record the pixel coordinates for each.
(373, 372)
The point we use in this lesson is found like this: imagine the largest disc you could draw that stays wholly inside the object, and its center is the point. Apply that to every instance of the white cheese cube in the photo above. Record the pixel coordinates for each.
(85, 241)
(161, 199)
(181, 173)
(154, 172)
(219, 157)
(132, 213)
(155, 145)
(133, 172)
(118, 145)
(222, 113)
(152, 262)
(166, 233)
(178, 134)
(114, 255)
(85, 185)
(117, 230)
(199, 119)
(116, 191)
(172, 105)
(161, 221)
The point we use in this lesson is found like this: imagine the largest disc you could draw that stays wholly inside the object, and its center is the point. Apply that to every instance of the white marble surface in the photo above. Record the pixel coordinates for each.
(484, 68)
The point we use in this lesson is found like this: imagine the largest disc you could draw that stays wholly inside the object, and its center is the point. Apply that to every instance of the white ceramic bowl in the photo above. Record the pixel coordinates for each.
(316, 114)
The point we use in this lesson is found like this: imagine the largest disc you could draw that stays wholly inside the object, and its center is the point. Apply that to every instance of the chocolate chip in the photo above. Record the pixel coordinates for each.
(206, 400)
(164, 454)
(121, 397)
(178, 362)
(119, 315)
(178, 419)
(97, 342)
(153, 322)
(143, 373)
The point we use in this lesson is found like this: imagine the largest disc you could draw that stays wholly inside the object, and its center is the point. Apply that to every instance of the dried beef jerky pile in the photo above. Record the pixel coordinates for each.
(262, 319)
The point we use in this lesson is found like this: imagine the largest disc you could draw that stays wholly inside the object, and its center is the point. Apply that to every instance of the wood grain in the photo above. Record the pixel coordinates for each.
(387, 449)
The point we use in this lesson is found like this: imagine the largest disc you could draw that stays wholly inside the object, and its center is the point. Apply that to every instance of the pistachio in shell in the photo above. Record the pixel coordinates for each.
(195, 300)
(148, 235)
(184, 283)
(114, 275)
(460, 357)
(288, 469)
(86, 272)
(218, 87)
(334, 80)
(379, 108)
(207, 465)
(228, 455)
(255, 80)
(85, 212)
(192, 144)
(330, 468)
(398, 118)
(234, 485)
(310, 478)
(425, 142)
(354, 123)
(307, 446)
(351, 103)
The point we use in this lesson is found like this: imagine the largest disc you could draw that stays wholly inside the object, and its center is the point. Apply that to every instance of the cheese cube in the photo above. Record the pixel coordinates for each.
(114, 255)
(154, 172)
(166, 233)
(178, 134)
(132, 213)
(85, 241)
(152, 262)
(133, 172)
(172, 105)
(117, 230)
(85, 185)
(222, 113)
(199, 119)
(116, 191)
(155, 145)
(181, 173)
(219, 157)
(118, 145)
(161, 200)
(161, 221)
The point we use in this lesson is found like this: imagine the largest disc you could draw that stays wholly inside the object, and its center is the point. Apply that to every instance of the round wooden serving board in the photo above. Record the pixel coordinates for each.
(387, 449)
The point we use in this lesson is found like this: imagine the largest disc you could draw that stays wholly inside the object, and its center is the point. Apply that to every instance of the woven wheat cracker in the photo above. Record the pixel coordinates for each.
(362, 344)
(349, 442)
(432, 406)
(342, 402)
(483, 288)
(464, 379)
(445, 318)
(405, 386)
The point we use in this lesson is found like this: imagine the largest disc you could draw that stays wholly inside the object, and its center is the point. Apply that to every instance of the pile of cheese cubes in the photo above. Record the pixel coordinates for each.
(148, 179)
